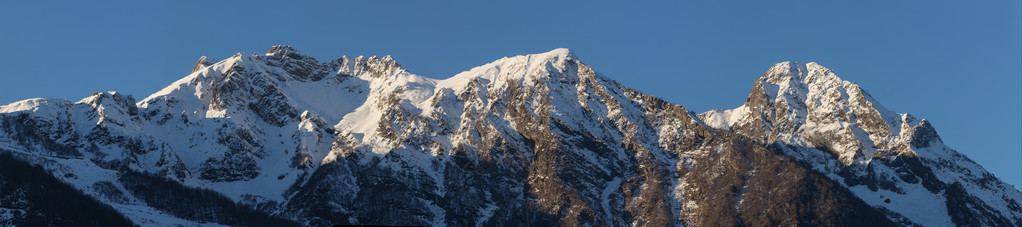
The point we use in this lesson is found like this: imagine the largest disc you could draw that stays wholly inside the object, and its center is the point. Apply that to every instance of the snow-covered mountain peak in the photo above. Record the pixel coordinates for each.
(559, 53)
(281, 50)
(817, 117)
(556, 56)
(31, 105)
(808, 104)
(203, 62)
(797, 75)
(98, 97)
(785, 71)
(368, 67)
(799, 86)
(541, 65)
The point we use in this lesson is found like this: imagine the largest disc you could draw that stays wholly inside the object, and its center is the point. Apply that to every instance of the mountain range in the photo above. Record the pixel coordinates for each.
(280, 138)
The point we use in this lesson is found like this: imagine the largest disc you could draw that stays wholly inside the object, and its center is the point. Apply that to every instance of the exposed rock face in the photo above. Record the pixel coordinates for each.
(203, 62)
(536, 139)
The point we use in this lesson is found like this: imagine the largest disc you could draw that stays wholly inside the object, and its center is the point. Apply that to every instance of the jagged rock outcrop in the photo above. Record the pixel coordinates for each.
(203, 62)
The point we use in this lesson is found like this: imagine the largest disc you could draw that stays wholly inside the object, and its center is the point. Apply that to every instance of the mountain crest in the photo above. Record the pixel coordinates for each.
(203, 62)
(368, 67)
(549, 66)
(281, 50)
(535, 139)
(785, 71)
(562, 53)
(100, 98)
(789, 70)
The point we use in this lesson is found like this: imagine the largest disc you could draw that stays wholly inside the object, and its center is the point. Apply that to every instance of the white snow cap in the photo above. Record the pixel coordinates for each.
(561, 52)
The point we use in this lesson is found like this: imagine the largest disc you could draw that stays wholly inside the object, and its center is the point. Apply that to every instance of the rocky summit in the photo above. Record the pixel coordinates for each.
(280, 138)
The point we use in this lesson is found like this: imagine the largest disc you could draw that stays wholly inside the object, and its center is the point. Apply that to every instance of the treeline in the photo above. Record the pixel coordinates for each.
(39, 199)
(194, 203)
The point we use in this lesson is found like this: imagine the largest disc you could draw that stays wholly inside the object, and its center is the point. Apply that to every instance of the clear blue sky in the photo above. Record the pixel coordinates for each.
(956, 63)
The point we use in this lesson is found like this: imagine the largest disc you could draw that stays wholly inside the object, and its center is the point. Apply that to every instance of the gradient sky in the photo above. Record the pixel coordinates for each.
(956, 63)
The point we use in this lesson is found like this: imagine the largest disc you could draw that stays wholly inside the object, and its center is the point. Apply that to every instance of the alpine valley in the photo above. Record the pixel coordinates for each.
(283, 139)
